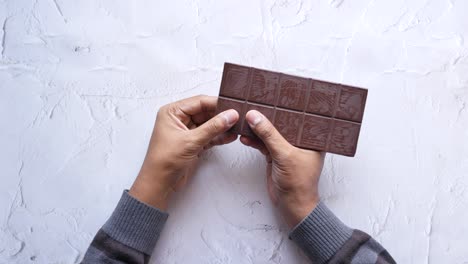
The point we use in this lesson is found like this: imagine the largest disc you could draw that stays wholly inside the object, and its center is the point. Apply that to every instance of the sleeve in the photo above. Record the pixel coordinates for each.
(130, 234)
(325, 239)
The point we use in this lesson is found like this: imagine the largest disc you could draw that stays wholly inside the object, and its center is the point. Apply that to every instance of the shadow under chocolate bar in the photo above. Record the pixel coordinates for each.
(310, 114)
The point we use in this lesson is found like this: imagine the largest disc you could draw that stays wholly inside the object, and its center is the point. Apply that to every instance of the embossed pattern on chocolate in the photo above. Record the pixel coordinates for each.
(310, 114)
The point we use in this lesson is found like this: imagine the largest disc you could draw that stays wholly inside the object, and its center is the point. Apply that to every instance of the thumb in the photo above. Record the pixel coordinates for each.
(215, 126)
(265, 130)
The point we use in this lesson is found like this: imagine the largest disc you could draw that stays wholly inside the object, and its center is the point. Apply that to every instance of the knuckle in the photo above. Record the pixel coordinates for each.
(169, 108)
(266, 131)
(216, 125)
(162, 111)
(192, 142)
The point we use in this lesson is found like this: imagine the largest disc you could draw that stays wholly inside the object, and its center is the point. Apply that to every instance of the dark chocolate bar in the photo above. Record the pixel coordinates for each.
(310, 114)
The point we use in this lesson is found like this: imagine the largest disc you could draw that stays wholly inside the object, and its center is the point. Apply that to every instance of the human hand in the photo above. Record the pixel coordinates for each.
(292, 173)
(183, 129)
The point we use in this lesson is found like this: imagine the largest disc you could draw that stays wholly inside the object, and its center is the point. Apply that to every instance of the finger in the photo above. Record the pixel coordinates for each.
(215, 126)
(197, 104)
(191, 125)
(254, 143)
(185, 109)
(222, 139)
(202, 117)
(265, 130)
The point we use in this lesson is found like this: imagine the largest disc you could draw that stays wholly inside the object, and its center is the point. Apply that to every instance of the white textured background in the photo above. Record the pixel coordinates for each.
(81, 81)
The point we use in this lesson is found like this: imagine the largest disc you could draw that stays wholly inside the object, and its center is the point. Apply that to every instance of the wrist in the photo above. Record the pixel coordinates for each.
(151, 190)
(295, 209)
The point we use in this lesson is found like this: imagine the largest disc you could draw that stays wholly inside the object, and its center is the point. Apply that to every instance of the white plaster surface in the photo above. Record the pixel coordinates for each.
(81, 81)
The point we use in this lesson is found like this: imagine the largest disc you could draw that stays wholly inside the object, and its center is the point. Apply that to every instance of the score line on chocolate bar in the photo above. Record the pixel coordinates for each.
(309, 113)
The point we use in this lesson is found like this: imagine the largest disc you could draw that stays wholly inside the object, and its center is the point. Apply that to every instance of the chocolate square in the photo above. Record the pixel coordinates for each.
(315, 132)
(322, 98)
(351, 104)
(264, 87)
(235, 81)
(293, 92)
(344, 137)
(287, 123)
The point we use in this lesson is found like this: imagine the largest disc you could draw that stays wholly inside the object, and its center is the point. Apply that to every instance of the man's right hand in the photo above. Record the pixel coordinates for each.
(292, 173)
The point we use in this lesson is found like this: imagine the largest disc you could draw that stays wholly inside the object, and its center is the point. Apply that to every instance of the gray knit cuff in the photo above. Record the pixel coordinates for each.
(321, 234)
(135, 224)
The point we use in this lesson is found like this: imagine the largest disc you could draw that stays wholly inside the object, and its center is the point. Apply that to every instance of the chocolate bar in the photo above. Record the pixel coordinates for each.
(309, 113)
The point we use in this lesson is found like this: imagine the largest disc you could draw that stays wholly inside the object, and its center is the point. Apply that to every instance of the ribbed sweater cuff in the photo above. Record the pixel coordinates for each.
(321, 234)
(135, 224)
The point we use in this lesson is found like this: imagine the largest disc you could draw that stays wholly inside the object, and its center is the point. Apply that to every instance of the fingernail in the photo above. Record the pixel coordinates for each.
(230, 116)
(254, 118)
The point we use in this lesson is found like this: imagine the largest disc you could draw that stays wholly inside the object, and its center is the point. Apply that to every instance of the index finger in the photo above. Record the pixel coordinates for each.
(197, 104)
